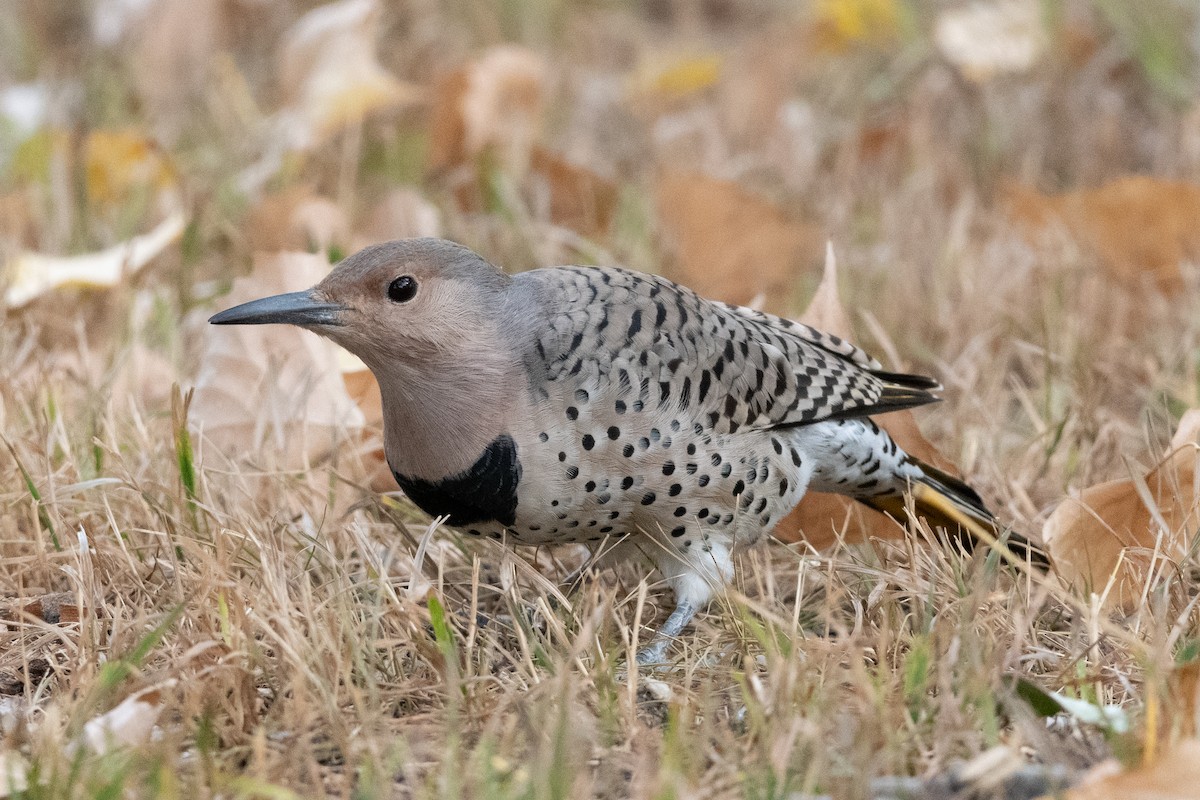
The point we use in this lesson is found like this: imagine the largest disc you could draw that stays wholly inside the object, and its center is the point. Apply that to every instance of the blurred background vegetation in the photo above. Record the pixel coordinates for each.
(113, 110)
(1012, 188)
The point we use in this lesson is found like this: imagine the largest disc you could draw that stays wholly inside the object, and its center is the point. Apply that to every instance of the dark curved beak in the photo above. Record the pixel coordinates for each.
(294, 308)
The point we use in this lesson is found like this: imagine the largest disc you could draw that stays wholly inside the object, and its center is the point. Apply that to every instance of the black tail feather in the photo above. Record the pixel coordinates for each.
(907, 380)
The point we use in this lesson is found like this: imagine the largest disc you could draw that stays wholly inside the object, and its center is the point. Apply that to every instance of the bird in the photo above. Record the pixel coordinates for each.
(604, 406)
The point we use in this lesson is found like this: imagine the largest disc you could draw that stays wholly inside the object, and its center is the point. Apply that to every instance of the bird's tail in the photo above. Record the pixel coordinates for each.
(946, 502)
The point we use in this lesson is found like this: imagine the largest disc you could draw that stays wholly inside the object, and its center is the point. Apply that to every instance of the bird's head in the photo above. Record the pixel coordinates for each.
(414, 302)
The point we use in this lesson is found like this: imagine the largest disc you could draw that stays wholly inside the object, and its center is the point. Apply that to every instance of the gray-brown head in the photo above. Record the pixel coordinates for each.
(434, 321)
(402, 301)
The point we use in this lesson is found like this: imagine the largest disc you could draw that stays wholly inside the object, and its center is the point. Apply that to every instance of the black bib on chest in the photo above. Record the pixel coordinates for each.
(484, 492)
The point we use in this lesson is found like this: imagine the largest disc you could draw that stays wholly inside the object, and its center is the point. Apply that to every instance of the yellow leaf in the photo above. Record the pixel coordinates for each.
(679, 78)
(118, 163)
(32, 158)
(842, 23)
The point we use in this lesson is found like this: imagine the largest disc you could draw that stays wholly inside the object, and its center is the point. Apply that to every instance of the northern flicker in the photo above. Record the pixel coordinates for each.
(600, 405)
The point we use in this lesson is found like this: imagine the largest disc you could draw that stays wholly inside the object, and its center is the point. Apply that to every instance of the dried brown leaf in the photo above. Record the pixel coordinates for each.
(579, 199)
(487, 115)
(1117, 531)
(330, 72)
(825, 311)
(296, 219)
(492, 104)
(1183, 689)
(1138, 227)
(447, 127)
(55, 608)
(400, 214)
(274, 388)
(18, 226)
(1174, 776)
(364, 391)
(731, 244)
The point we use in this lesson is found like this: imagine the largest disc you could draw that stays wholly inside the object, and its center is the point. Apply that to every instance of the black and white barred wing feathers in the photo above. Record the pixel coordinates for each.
(645, 342)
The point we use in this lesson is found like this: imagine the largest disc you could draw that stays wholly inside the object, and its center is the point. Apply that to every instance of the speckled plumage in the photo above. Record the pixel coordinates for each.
(587, 404)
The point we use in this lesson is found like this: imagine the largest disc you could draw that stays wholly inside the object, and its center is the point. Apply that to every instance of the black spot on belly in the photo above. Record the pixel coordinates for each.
(486, 491)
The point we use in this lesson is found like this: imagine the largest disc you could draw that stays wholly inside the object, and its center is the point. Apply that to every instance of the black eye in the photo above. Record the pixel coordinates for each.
(402, 289)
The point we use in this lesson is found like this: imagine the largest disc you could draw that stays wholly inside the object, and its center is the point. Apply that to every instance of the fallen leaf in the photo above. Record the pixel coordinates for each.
(128, 724)
(296, 219)
(578, 198)
(840, 24)
(119, 163)
(487, 116)
(331, 75)
(494, 104)
(825, 311)
(18, 224)
(56, 608)
(1183, 689)
(666, 80)
(1174, 776)
(447, 126)
(30, 275)
(985, 39)
(400, 214)
(1136, 226)
(822, 519)
(273, 388)
(729, 243)
(1117, 532)
(363, 390)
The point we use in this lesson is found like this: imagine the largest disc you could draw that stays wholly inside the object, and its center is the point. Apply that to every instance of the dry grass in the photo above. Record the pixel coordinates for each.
(311, 638)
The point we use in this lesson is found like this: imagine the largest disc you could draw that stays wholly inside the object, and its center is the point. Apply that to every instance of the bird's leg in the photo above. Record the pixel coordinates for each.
(695, 565)
(656, 651)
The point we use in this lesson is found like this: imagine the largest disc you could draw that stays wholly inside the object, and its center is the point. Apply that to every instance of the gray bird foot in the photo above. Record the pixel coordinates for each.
(655, 652)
